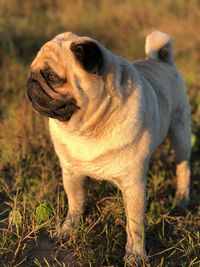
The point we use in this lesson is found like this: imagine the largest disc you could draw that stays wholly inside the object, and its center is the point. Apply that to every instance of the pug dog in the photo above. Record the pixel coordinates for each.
(107, 116)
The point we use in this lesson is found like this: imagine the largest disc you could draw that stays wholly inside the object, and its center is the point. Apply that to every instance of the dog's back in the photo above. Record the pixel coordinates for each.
(164, 87)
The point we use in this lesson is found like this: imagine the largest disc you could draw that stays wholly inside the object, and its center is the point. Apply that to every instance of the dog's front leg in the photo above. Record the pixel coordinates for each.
(133, 192)
(74, 189)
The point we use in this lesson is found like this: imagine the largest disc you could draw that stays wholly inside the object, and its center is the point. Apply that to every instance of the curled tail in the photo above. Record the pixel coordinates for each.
(159, 46)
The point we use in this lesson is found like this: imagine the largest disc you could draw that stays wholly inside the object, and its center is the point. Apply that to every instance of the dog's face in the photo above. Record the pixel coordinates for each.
(65, 76)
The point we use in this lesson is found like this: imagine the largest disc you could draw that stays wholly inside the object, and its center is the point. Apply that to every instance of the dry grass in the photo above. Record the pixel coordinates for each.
(32, 200)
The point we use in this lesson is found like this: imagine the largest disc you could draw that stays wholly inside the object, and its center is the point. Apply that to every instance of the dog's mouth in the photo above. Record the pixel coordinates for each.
(61, 109)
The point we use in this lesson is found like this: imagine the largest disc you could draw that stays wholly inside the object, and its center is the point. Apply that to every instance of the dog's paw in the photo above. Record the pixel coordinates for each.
(182, 201)
(134, 259)
(64, 231)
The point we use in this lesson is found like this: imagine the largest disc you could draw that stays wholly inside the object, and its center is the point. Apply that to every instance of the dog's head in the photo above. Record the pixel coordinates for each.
(65, 75)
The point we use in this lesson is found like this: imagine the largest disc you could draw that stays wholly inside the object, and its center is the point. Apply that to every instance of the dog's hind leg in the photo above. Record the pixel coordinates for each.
(183, 183)
(180, 135)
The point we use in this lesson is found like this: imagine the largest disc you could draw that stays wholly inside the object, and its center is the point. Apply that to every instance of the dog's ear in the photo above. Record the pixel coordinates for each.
(89, 55)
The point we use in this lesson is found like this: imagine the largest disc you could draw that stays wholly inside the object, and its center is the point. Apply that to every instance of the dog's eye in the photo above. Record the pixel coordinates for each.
(52, 77)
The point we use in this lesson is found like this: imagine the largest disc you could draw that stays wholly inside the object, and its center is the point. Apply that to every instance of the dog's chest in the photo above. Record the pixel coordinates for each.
(92, 157)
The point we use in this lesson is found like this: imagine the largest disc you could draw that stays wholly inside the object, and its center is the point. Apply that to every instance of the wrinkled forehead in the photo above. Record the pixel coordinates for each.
(52, 50)
(50, 54)
(70, 37)
(57, 51)
(66, 36)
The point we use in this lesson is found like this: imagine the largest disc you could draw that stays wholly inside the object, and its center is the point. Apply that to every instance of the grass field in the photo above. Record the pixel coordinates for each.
(32, 199)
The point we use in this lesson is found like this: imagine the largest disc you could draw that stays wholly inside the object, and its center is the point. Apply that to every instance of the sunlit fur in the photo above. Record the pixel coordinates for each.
(124, 115)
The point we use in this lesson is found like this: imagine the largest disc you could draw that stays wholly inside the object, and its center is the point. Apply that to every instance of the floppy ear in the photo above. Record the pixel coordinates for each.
(89, 55)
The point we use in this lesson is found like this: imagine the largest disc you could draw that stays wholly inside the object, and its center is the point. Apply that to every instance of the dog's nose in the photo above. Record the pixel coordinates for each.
(29, 85)
(30, 81)
(31, 77)
(28, 90)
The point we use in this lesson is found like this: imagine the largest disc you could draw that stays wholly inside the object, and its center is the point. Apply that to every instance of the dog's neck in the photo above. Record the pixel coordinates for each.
(92, 125)
(119, 88)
